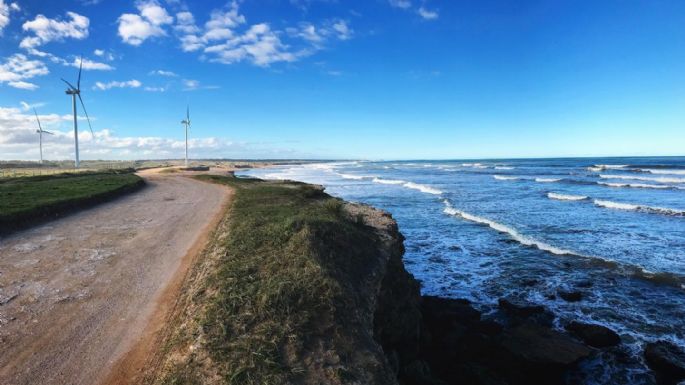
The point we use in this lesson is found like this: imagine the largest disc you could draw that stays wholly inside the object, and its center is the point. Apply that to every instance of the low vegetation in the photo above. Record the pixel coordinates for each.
(30, 199)
(276, 297)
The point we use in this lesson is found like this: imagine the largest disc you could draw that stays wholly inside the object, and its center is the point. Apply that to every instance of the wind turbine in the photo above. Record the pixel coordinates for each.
(186, 122)
(74, 92)
(40, 132)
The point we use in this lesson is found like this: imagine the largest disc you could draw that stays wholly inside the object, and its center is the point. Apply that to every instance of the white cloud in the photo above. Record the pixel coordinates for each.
(104, 54)
(155, 89)
(91, 65)
(5, 10)
(190, 84)
(318, 35)
(427, 14)
(18, 140)
(164, 73)
(45, 30)
(134, 29)
(18, 68)
(404, 4)
(116, 84)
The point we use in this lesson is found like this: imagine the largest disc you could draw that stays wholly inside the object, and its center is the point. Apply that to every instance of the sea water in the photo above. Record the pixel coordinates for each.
(612, 228)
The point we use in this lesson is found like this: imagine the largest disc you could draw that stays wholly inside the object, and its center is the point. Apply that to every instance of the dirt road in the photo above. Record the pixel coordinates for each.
(78, 293)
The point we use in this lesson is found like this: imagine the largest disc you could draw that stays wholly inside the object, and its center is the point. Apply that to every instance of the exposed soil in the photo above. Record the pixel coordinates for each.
(82, 298)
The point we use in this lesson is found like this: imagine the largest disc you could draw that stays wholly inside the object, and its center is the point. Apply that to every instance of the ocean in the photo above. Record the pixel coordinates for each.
(611, 228)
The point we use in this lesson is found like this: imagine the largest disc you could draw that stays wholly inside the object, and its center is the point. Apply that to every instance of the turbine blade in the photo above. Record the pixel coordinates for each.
(86, 112)
(39, 126)
(47, 132)
(69, 84)
(80, 67)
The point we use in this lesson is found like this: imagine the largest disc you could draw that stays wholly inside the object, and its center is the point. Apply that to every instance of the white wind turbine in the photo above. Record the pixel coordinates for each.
(74, 92)
(186, 122)
(40, 132)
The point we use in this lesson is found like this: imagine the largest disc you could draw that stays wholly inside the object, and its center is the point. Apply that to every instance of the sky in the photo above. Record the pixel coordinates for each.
(338, 79)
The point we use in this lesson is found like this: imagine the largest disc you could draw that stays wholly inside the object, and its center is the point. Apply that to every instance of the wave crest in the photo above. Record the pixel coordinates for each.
(566, 197)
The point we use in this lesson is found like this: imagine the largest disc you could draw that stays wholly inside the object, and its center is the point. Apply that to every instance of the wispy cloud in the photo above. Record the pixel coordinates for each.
(18, 68)
(45, 30)
(91, 65)
(117, 84)
(404, 4)
(5, 11)
(427, 14)
(164, 73)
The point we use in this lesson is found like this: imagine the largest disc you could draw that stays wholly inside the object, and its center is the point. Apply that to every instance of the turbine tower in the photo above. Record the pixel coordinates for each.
(186, 122)
(74, 92)
(40, 132)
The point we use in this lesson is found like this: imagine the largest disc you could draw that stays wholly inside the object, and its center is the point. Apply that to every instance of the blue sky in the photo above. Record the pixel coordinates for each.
(374, 79)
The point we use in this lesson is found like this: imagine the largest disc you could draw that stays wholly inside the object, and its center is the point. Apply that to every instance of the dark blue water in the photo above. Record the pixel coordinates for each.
(612, 228)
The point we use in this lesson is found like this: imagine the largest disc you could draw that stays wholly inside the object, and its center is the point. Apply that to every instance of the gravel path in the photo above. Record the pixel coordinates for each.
(76, 294)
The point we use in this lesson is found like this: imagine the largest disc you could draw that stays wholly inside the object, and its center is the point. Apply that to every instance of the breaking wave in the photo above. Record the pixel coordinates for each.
(513, 233)
(502, 177)
(547, 180)
(423, 188)
(414, 186)
(566, 197)
(354, 177)
(662, 171)
(632, 207)
(644, 178)
(388, 181)
(637, 185)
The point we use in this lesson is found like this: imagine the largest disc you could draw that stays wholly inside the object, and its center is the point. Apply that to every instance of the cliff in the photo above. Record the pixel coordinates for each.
(298, 287)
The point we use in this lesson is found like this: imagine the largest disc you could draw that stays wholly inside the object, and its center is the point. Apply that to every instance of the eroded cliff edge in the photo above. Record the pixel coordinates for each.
(298, 287)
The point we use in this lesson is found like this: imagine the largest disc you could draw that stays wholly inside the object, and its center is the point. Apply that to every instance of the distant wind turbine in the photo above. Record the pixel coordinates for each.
(74, 92)
(40, 132)
(186, 122)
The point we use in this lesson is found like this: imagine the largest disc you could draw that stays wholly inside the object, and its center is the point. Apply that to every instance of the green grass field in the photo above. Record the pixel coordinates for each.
(288, 259)
(29, 199)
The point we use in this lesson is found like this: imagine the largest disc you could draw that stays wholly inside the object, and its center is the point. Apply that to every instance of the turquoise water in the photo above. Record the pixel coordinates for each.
(613, 228)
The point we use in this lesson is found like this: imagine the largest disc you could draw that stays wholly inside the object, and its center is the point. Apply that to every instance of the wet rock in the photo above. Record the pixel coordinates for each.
(570, 296)
(597, 336)
(538, 344)
(519, 308)
(539, 355)
(667, 360)
(443, 314)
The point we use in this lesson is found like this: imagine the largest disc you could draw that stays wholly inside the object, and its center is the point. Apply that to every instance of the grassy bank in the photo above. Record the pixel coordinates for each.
(278, 296)
(30, 199)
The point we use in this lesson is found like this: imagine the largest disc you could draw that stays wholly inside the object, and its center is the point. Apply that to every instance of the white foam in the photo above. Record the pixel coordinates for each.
(474, 165)
(644, 178)
(414, 186)
(502, 177)
(566, 197)
(636, 185)
(503, 168)
(354, 177)
(604, 167)
(422, 188)
(388, 181)
(633, 207)
(513, 233)
(663, 171)
(547, 180)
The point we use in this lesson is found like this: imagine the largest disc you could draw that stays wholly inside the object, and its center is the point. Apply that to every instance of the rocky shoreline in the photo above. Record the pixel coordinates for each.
(436, 341)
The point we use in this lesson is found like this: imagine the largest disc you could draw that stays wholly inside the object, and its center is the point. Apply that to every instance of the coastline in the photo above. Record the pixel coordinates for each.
(375, 327)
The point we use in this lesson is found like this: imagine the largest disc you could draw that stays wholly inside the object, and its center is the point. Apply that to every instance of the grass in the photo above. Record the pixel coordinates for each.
(28, 199)
(283, 290)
